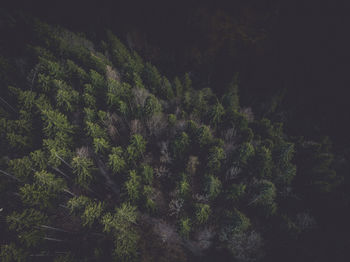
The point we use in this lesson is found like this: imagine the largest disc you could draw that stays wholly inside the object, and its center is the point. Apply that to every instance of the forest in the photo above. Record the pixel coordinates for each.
(106, 156)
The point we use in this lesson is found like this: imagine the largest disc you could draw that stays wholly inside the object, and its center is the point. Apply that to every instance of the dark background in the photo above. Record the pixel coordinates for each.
(298, 46)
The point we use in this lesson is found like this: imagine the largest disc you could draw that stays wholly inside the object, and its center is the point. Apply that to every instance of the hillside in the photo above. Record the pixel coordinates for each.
(104, 158)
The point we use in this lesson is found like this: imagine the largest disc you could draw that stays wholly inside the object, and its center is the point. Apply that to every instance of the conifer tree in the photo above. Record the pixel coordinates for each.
(27, 225)
(82, 167)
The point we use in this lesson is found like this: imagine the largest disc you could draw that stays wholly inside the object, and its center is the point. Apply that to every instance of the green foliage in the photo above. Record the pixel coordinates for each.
(36, 195)
(166, 91)
(235, 222)
(56, 122)
(133, 186)
(204, 136)
(11, 252)
(213, 186)
(58, 150)
(180, 145)
(171, 120)
(187, 82)
(152, 106)
(66, 97)
(49, 181)
(116, 161)
(185, 227)
(147, 174)
(230, 100)
(215, 114)
(136, 148)
(184, 186)
(101, 145)
(121, 226)
(202, 213)
(236, 191)
(95, 130)
(216, 155)
(27, 99)
(88, 96)
(148, 192)
(82, 167)
(178, 87)
(264, 194)
(91, 213)
(246, 152)
(39, 159)
(21, 167)
(263, 162)
(97, 81)
(75, 73)
(78, 204)
(204, 156)
(152, 79)
(27, 225)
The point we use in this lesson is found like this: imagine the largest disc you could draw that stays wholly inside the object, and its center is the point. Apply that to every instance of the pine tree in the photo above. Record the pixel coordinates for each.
(92, 213)
(116, 161)
(82, 167)
(133, 186)
(27, 225)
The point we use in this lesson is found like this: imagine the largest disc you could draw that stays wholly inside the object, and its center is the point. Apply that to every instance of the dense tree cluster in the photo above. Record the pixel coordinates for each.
(97, 147)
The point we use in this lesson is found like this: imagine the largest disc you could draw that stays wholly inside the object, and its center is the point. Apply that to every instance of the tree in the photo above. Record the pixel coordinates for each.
(121, 226)
(136, 148)
(246, 151)
(10, 253)
(178, 87)
(56, 122)
(116, 161)
(184, 186)
(236, 191)
(82, 167)
(101, 145)
(152, 78)
(89, 96)
(202, 213)
(263, 196)
(27, 98)
(216, 155)
(36, 195)
(97, 80)
(27, 225)
(234, 222)
(92, 213)
(230, 99)
(39, 159)
(204, 136)
(148, 193)
(78, 204)
(180, 145)
(185, 227)
(166, 91)
(66, 96)
(147, 174)
(263, 162)
(187, 82)
(95, 130)
(213, 186)
(215, 114)
(21, 167)
(151, 106)
(171, 120)
(133, 186)
(58, 151)
(49, 181)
